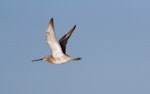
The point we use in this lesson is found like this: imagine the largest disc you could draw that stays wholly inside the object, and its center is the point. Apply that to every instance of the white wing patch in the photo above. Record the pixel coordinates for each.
(52, 41)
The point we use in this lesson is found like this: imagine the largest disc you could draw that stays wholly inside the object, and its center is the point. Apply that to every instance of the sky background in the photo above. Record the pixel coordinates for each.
(112, 37)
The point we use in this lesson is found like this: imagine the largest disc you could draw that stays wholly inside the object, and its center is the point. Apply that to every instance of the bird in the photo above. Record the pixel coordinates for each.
(58, 47)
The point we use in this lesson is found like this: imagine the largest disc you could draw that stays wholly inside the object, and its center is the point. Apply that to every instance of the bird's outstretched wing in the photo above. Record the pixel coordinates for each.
(52, 40)
(64, 39)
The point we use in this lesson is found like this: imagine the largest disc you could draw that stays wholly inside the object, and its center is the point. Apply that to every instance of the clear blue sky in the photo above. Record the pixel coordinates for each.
(112, 37)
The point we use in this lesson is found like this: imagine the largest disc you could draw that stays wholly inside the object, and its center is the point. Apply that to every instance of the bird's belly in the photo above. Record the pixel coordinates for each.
(61, 60)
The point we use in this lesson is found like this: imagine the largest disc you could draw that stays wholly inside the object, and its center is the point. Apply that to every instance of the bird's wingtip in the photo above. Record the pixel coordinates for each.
(51, 20)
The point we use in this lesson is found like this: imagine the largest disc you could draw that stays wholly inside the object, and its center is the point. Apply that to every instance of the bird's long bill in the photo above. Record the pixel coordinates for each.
(37, 60)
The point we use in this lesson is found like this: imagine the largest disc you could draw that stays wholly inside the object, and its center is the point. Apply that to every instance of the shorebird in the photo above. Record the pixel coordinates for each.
(58, 48)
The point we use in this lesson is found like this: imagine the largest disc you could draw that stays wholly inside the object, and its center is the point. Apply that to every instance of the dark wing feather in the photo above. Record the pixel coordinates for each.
(64, 39)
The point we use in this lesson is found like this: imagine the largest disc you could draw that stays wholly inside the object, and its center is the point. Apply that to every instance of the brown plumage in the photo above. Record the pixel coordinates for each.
(58, 48)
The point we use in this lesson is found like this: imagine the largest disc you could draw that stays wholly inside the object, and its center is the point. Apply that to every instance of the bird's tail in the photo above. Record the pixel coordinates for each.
(77, 58)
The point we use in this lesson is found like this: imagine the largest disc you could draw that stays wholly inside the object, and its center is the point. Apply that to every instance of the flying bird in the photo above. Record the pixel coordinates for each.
(58, 48)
